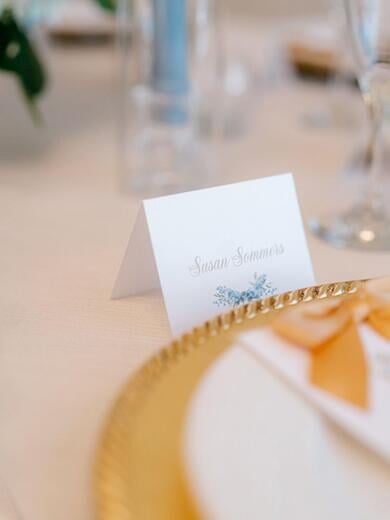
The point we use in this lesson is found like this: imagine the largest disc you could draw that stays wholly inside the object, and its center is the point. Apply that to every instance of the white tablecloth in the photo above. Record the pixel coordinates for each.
(66, 348)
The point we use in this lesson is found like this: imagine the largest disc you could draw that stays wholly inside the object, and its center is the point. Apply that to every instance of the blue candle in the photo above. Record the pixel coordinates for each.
(170, 60)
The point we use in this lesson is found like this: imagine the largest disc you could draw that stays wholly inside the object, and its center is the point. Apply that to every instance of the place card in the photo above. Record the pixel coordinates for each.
(213, 249)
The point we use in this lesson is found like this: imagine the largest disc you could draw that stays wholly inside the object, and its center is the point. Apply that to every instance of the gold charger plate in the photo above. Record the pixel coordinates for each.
(139, 473)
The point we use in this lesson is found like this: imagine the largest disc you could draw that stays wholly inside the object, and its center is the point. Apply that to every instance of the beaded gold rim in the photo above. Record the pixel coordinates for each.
(109, 469)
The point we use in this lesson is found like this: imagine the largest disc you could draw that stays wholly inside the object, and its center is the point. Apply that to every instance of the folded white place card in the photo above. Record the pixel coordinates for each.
(216, 248)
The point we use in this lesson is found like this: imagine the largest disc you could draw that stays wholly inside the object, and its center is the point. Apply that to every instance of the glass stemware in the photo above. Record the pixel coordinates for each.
(8, 509)
(366, 225)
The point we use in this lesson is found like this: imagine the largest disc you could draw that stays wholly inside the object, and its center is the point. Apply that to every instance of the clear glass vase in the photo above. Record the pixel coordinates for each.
(169, 57)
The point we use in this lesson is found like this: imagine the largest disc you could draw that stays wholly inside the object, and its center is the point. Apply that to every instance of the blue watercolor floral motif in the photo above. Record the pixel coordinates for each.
(259, 288)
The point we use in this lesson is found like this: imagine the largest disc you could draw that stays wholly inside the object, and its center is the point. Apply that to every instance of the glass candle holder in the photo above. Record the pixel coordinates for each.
(169, 55)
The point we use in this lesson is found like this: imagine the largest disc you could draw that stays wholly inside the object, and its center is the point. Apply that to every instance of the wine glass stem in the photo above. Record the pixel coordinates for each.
(374, 193)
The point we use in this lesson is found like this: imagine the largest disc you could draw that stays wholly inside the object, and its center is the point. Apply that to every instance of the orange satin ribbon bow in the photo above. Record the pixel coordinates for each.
(329, 330)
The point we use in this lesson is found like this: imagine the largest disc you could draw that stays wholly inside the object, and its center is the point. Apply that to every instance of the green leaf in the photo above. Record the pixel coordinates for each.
(18, 57)
(108, 5)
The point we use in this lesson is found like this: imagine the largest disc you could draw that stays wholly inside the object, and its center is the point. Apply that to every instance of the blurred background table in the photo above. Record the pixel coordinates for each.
(66, 348)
